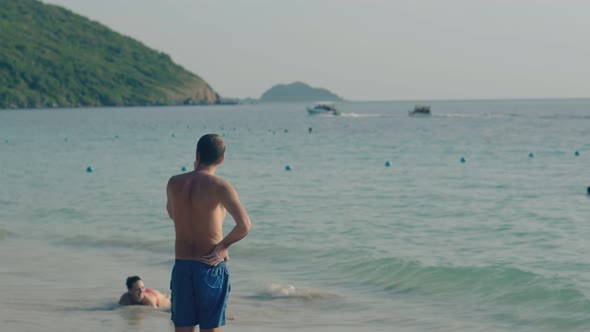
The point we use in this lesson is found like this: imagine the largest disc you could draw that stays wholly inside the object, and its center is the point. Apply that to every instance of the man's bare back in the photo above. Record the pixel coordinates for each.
(198, 202)
(195, 206)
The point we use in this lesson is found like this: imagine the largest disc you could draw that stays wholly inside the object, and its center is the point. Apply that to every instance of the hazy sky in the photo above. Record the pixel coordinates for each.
(367, 49)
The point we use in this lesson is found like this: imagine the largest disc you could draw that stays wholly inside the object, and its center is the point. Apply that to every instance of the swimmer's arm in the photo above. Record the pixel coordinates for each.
(124, 300)
(152, 301)
(163, 302)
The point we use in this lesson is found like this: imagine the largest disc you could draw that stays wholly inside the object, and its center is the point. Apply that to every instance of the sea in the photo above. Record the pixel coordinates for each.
(476, 218)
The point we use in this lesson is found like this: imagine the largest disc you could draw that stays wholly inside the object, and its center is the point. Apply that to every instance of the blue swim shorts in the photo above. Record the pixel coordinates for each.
(199, 294)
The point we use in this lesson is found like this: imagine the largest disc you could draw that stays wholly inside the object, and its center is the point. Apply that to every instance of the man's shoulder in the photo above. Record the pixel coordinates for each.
(178, 178)
(221, 182)
(191, 176)
(210, 179)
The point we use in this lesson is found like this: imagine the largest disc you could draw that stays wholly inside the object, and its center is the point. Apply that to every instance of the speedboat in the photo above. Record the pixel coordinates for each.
(323, 108)
(420, 110)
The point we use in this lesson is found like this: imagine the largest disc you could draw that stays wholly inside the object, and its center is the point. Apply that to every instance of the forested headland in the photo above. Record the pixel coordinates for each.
(52, 57)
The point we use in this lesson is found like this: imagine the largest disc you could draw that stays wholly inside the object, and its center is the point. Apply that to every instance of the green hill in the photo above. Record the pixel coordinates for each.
(297, 92)
(51, 57)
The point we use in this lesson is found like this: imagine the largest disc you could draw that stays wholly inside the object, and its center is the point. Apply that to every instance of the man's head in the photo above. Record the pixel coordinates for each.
(210, 150)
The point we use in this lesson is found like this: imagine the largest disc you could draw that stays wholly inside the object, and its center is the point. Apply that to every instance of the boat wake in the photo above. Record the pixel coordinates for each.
(474, 116)
(356, 115)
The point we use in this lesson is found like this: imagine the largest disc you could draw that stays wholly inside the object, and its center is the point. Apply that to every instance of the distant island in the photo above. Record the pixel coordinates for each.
(51, 57)
(297, 92)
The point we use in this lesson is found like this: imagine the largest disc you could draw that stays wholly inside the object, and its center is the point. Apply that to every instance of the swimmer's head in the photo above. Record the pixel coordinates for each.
(130, 281)
(210, 149)
(135, 288)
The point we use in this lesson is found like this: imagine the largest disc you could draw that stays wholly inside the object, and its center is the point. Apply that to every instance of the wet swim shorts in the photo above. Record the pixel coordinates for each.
(199, 294)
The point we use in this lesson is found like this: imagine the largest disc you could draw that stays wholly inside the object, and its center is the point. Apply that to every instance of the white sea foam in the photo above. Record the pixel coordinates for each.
(288, 291)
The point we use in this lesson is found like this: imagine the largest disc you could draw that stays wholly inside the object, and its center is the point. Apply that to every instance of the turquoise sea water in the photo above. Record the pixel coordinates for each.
(339, 243)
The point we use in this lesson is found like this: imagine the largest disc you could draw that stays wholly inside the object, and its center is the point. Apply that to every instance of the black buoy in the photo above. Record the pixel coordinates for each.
(89, 169)
(288, 168)
(183, 168)
(387, 163)
(588, 190)
(463, 160)
(309, 130)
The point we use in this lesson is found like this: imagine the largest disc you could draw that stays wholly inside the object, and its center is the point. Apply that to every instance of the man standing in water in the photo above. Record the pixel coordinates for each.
(197, 202)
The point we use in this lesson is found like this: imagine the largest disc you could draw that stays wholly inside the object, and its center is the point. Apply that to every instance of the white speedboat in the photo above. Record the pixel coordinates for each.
(323, 108)
(420, 111)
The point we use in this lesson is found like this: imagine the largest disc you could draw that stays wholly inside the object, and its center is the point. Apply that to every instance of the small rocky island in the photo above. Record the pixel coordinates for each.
(297, 92)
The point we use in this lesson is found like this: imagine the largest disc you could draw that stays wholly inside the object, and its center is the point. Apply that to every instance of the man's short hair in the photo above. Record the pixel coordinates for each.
(131, 280)
(211, 149)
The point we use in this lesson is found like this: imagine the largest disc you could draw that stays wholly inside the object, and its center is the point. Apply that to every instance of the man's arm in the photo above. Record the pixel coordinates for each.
(231, 202)
(169, 198)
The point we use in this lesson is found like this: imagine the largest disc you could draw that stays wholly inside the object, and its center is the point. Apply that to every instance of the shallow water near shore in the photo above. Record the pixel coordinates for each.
(341, 242)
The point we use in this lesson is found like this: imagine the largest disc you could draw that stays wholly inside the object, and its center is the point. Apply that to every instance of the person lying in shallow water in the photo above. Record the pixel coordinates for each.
(137, 294)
